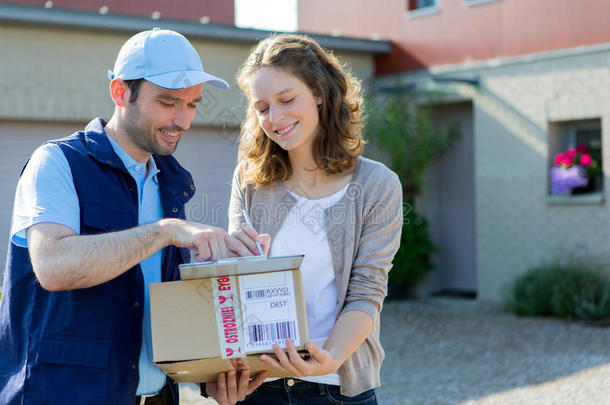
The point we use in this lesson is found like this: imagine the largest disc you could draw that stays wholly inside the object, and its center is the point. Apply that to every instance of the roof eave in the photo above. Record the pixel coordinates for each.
(74, 19)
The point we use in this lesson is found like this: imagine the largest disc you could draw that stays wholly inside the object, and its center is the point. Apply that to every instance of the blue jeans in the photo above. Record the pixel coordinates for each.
(305, 393)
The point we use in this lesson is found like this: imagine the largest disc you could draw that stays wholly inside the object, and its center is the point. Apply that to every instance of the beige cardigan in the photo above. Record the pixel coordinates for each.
(363, 231)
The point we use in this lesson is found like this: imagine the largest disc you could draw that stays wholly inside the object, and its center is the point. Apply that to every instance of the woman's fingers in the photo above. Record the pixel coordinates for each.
(249, 230)
(272, 362)
(237, 245)
(265, 240)
(285, 361)
(295, 359)
(252, 235)
(318, 354)
(247, 241)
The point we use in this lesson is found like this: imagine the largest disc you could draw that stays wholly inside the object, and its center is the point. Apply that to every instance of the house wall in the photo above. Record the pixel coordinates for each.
(218, 11)
(61, 75)
(53, 81)
(517, 227)
(461, 30)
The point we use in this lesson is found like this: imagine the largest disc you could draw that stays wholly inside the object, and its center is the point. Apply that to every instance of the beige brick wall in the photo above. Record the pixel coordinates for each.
(60, 75)
(516, 228)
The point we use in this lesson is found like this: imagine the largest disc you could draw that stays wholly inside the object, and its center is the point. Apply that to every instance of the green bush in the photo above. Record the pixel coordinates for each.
(413, 259)
(401, 123)
(406, 130)
(573, 291)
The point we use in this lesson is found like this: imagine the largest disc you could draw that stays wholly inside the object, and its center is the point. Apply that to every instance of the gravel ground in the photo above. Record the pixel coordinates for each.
(449, 351)
(462, 352)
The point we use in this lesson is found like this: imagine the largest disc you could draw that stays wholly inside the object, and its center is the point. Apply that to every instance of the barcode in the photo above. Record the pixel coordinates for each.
(256, 294)
(272, 332)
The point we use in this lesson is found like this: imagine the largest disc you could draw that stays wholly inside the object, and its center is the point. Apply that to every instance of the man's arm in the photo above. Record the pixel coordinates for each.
(63, 260)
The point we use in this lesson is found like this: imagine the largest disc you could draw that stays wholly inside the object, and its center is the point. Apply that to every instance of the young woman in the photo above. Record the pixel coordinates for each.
(302, 179)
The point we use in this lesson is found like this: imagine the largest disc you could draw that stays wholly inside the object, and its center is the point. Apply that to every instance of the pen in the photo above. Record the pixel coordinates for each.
(249, 221)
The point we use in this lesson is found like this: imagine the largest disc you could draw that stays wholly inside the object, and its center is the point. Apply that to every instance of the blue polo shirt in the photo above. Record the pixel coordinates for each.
(46, 193)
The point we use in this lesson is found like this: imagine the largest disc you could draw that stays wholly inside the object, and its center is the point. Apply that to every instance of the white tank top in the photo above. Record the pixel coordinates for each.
(304, 232)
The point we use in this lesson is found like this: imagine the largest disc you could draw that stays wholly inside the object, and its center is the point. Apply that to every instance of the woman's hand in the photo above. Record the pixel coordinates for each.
(248, 236)
(320, 361)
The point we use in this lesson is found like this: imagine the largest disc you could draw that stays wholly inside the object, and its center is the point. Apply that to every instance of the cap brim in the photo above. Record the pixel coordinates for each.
(184, 79)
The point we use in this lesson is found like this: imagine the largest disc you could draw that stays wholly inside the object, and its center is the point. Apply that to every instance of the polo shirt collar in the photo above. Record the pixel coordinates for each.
(131, 164)
(97, 144)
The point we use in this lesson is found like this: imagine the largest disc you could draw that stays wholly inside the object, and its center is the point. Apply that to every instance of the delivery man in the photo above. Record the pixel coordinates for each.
(98, 216)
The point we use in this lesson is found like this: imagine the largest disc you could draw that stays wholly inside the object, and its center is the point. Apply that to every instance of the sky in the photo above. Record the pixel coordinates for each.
(272, 15)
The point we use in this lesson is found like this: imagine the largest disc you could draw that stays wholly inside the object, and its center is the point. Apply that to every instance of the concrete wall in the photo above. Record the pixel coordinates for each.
(60, 75)
(517, 227)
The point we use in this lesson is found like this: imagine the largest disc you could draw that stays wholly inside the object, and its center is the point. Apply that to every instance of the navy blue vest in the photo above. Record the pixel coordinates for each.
(82, 346)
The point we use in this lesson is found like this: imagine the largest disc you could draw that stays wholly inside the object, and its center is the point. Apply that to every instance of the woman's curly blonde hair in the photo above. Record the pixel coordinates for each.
(339, 144)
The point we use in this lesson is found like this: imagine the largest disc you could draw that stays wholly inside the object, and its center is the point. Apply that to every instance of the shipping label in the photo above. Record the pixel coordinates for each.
(269, 310)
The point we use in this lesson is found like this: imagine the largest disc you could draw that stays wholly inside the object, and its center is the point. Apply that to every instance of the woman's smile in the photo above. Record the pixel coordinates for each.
(285, 130)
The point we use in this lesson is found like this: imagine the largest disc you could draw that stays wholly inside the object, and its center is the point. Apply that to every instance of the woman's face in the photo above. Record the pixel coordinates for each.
(287, 110)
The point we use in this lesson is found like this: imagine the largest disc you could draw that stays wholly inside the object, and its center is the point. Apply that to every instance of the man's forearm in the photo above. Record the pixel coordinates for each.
(63, 262)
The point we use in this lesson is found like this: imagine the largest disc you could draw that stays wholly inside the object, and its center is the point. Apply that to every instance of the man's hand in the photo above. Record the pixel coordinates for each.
(228, 391)
(63, 260)
(209, 243)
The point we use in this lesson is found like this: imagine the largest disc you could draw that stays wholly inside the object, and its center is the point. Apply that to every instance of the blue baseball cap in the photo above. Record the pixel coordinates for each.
(163, 57)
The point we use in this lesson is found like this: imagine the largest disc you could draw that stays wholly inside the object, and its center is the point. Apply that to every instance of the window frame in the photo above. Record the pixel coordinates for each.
(477, 2)
(424, 11)
(569, 131)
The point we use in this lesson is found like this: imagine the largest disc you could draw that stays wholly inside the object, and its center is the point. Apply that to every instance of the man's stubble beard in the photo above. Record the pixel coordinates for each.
(141, 134)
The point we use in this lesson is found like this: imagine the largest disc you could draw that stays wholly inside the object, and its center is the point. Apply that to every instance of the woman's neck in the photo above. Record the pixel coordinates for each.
(309, 181)
(304, 168)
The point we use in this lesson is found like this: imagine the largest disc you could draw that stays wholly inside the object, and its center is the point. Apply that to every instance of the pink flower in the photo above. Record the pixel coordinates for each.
(568, 160)
(558, 159)
(571, 153)
(586, 160)
(582, 149)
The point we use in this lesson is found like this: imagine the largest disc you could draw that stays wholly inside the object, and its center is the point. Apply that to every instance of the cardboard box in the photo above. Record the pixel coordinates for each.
(226, 310)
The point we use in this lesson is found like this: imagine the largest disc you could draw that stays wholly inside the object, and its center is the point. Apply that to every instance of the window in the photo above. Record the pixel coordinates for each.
(417, 4)
(575, 158)
(422, 7)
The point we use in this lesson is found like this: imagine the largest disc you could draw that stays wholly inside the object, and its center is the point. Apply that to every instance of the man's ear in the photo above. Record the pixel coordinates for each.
(119, 91)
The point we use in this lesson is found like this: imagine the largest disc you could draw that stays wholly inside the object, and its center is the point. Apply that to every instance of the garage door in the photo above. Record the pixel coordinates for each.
(209, 153)
(18, 140)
